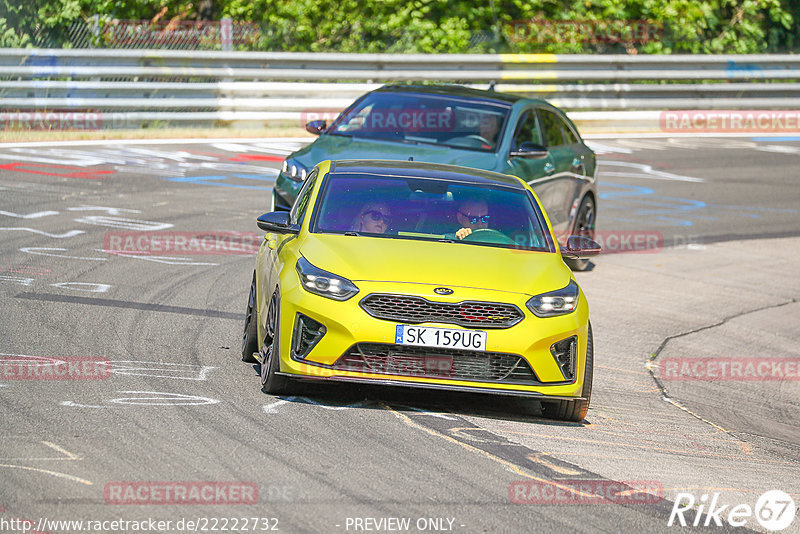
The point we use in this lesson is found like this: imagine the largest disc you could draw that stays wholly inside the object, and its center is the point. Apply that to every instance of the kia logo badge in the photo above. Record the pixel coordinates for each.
(443, 291)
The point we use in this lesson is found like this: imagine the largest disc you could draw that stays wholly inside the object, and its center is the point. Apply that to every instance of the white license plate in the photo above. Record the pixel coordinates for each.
(450, 338)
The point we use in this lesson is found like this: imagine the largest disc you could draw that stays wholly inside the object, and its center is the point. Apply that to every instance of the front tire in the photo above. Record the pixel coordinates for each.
(584, 226)
(575, 410)
(250, 334)
(271, 381)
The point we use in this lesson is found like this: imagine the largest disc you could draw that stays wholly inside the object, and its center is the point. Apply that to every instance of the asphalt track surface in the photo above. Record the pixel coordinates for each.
(180, 407)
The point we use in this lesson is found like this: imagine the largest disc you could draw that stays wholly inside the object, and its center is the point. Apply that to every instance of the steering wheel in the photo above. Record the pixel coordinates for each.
(479, 138)
(489, 235)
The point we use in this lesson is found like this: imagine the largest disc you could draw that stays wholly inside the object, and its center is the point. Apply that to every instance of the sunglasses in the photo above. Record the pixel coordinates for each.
(474, 220)
(377, 216)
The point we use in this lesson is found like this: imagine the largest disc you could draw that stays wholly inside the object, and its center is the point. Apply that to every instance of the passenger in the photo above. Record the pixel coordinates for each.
(374, 218)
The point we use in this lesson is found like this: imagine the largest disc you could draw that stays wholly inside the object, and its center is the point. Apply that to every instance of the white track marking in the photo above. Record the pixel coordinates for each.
(125, 224)
(36, 215)
(271, 408)
(432, 414)
(89, 287)
(48, 472)
(169, 260)
(71, 233)
(70, 456)
(110, 211)
(144, 368)
(37, 251)
(645, 171)
(170, 399)
(76, 405)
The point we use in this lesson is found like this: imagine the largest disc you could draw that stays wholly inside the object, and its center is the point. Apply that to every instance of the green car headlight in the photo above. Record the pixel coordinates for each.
(294, 170)
(315, 280)
(558, 302)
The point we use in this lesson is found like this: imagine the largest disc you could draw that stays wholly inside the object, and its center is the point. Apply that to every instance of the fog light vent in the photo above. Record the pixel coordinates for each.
(307, 333)
(565, 353)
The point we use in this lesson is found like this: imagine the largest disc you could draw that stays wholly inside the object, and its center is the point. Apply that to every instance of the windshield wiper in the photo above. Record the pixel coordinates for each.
(353, 233)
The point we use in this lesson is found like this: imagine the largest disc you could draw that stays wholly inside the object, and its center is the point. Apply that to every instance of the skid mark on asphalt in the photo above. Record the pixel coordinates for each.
(651, 447)
(50, 297)
(519, 459)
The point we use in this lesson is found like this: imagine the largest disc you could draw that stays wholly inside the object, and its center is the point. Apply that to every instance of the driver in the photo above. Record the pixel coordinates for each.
(488, 129)
(472, 215)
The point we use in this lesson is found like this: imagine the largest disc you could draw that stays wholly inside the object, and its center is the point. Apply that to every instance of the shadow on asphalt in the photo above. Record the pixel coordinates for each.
(402, 399)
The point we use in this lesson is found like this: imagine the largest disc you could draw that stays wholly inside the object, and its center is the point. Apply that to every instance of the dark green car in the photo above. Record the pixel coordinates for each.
(504, 133)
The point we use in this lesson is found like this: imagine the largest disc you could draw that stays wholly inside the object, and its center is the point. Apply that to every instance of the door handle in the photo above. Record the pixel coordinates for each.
(549, 168)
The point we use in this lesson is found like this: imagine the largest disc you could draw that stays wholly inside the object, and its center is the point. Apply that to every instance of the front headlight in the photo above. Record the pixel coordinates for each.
(294, 170)
(315, 280)
(558, 302)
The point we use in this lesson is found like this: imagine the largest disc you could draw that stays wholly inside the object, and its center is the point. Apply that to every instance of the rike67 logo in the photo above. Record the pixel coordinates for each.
(774, 510)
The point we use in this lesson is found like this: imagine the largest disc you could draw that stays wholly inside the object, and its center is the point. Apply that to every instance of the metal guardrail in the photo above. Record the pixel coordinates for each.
(188, 86)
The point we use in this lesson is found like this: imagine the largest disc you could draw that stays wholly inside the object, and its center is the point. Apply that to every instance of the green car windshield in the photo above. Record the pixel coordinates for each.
(467, 123)
(407, 207)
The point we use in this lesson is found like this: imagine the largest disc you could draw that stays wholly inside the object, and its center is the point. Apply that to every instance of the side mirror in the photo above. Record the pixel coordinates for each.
(579, 247)
(316, 127)
(530, 150)
(277, 222)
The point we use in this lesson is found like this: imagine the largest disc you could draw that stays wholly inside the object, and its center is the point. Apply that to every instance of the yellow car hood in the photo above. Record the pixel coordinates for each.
(447, 264)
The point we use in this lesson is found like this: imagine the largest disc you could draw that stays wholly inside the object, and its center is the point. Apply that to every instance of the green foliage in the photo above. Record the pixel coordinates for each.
(448, 26)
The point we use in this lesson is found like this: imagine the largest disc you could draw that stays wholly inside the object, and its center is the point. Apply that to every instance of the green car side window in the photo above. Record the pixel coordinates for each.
(303, 197)
(552, 128)
(527, 131)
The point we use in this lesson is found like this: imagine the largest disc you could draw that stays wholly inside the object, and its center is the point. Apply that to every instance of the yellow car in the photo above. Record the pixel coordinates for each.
(421, 275)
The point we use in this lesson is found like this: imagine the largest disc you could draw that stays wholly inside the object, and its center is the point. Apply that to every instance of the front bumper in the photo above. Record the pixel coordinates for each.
(346, 324)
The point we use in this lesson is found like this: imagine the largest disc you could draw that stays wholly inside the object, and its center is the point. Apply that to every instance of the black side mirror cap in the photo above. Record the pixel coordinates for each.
(530, 150)
(277, 222)
(316, 127)
(580, 247)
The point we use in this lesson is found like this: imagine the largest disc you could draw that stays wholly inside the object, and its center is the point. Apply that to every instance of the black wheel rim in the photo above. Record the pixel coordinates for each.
(269, 335)
(585, 226)
(248, 318)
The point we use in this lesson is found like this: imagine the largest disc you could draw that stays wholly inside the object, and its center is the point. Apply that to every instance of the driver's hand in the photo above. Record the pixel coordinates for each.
(464, 232)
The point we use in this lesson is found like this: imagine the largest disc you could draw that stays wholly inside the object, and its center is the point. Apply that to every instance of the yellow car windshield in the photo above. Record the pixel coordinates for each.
(430, 209)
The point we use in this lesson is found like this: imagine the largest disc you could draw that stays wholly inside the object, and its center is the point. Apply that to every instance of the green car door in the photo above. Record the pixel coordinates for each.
(541, 172)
